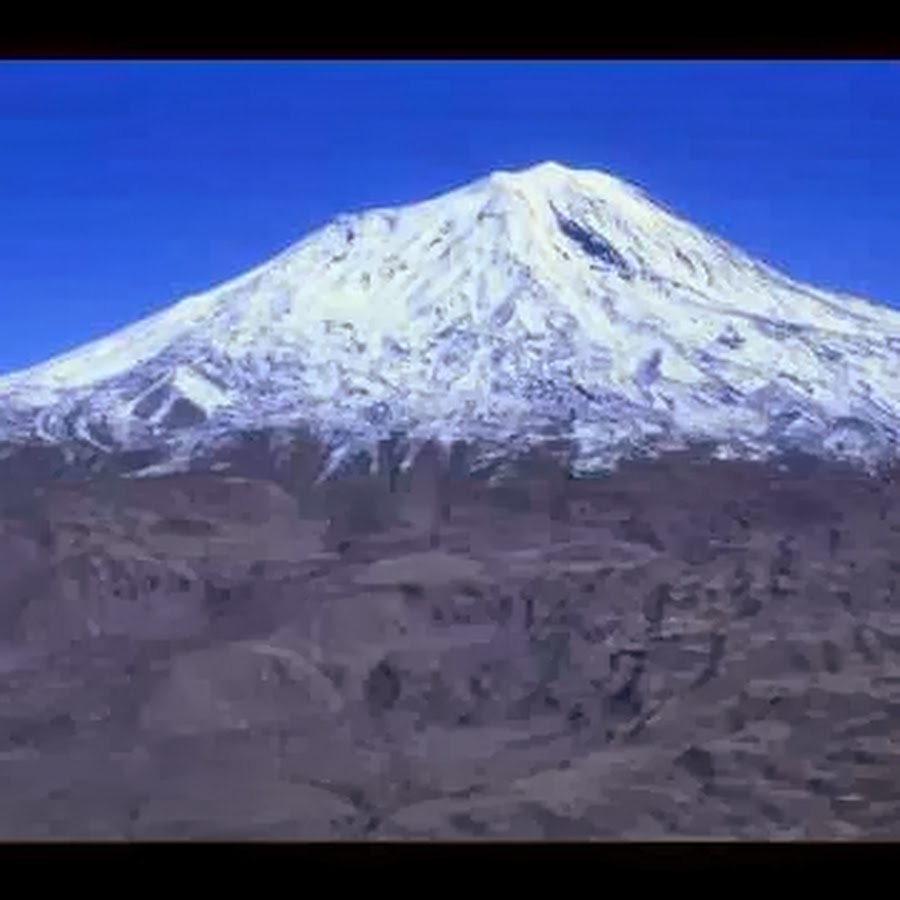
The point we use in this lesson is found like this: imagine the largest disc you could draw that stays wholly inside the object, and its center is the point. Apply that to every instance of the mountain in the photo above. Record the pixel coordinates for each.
(544, 303)
(686, 647)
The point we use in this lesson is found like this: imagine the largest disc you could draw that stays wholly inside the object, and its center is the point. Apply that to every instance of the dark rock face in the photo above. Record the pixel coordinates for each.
(682, 648)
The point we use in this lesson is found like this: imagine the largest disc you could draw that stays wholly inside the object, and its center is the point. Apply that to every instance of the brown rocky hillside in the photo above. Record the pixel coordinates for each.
(683, 648)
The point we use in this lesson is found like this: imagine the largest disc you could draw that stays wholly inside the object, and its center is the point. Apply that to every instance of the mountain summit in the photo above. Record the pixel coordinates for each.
(548, 301)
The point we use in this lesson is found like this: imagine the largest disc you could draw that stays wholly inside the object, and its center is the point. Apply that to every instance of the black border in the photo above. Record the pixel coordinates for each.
(437, 860)
(344, 31)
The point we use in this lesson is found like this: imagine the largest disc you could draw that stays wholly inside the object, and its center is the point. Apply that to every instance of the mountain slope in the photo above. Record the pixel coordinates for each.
(548, 301)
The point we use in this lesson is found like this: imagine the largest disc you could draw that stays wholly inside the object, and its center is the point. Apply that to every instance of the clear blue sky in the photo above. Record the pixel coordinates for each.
(124, 187)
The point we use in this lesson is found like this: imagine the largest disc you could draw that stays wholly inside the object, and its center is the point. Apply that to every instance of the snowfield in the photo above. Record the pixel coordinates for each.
(543, 301)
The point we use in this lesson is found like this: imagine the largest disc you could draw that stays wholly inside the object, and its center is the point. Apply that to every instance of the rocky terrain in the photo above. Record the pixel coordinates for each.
(682, 648)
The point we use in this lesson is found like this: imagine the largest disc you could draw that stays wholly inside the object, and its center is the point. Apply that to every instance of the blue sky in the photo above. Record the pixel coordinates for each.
(125, 186)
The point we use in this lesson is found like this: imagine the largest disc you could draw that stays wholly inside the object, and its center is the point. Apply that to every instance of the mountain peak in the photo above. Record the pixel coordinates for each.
(538, 171)
(550, 169)
(550, 175)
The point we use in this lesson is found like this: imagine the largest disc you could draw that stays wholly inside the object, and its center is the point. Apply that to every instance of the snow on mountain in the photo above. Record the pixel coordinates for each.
(545, 301)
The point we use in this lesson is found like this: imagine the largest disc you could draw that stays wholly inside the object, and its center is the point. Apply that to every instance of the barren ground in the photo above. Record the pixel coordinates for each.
(678, 650)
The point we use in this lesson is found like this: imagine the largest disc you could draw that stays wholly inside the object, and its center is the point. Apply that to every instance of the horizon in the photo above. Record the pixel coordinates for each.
(146, 183)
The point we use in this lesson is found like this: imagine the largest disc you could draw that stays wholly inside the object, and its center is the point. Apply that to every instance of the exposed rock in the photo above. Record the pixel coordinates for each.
(185, 658)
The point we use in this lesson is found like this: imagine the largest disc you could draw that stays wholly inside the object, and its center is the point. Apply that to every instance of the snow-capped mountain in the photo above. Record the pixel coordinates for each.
(543, 302)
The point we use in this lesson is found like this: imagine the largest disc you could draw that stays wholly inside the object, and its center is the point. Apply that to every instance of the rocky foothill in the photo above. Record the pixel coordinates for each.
(683, 648)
